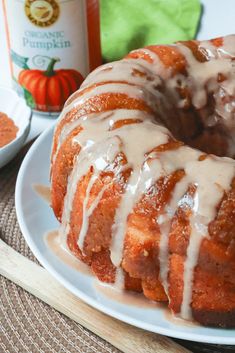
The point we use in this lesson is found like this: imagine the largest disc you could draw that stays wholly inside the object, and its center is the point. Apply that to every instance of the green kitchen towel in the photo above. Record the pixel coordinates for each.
(131, 24)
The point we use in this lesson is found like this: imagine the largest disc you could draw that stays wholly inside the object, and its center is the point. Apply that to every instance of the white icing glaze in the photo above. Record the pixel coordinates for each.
(132, 91)
(199, 75)
(119, 279)
(99, 157)
(212, 179)
(164, 222)
(88, 211)
(114, 116)
(227, 49)
(94, 132)
(121, 71)
(172, 161)
(210, 189)
(142, 177)
(101, 143)
(136, 91)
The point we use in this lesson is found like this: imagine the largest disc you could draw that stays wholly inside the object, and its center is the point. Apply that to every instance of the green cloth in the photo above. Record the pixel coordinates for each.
(131, 24)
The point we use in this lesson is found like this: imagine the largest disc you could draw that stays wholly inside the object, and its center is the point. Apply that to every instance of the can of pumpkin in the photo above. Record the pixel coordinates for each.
(53, 44)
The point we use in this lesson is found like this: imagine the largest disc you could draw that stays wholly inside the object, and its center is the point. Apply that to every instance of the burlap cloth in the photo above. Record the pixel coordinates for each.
(26, 323)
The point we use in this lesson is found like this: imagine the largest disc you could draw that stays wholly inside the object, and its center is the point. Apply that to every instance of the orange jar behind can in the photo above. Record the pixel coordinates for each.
(53, 45)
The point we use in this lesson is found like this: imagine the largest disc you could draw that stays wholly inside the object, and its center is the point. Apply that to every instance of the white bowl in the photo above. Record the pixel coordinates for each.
(16, 109)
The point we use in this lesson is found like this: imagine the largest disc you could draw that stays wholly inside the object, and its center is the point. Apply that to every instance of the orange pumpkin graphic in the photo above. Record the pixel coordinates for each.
(50, 88)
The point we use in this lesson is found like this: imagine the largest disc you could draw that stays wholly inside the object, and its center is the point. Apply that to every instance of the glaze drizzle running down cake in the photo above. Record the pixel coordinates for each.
(136, 201)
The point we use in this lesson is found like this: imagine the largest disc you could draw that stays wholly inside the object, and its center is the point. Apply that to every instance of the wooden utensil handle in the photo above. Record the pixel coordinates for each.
(39, 282)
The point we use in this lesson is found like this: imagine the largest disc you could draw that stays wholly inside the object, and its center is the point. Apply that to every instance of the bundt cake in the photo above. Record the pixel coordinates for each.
(137, 201)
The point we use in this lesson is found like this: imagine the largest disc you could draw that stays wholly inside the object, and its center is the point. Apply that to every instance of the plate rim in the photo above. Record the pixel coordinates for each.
(80, 294)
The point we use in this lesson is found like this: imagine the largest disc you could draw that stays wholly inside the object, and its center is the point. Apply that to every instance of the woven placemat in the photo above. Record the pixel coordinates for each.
(26, 323)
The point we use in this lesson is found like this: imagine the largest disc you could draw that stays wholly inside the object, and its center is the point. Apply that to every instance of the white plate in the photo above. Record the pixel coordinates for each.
(36, 218)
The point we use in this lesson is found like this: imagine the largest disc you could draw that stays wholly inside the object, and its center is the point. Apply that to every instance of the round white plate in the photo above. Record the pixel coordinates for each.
(36, 218)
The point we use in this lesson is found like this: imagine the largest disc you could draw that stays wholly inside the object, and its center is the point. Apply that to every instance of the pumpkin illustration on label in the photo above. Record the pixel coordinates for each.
(50, 88)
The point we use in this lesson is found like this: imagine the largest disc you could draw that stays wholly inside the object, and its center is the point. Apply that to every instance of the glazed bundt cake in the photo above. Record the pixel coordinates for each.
(136, 201)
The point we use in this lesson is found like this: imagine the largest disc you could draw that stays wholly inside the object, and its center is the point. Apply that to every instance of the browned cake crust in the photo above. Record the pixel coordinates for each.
(169, 86)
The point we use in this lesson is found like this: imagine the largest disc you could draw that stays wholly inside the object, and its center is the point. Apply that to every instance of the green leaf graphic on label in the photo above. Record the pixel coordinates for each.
(29, 98)
(19, 60)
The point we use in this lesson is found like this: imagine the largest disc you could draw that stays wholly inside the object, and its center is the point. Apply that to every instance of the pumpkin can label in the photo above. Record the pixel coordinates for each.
(49, 50)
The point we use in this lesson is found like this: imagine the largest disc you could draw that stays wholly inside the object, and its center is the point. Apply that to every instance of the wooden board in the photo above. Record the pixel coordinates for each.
(39, 282)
